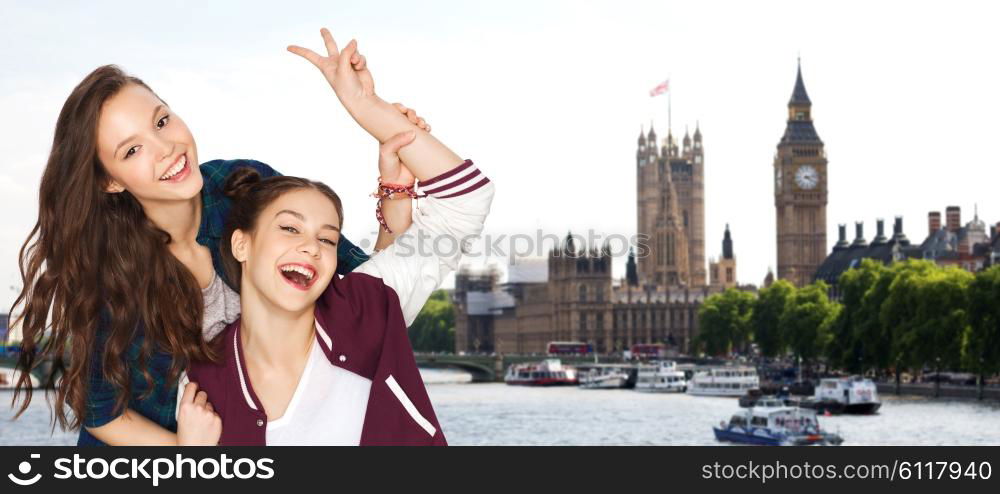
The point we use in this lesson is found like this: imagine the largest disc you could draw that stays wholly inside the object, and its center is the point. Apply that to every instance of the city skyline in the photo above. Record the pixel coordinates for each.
(558, 92)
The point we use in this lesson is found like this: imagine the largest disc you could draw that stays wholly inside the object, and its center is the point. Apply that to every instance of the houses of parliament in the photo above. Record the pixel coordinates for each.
(571, 295)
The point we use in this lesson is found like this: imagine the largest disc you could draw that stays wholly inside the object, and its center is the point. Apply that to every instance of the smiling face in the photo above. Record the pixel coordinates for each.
(147, 149)
(291, 256)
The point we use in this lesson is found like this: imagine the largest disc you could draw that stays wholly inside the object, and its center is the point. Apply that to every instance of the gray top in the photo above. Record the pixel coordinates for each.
(222, 306)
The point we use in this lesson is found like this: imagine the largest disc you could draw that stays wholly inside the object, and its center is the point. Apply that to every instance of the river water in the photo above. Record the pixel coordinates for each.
(497, 414)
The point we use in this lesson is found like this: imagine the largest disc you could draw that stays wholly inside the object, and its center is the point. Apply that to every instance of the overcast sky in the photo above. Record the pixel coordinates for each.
(547, 97)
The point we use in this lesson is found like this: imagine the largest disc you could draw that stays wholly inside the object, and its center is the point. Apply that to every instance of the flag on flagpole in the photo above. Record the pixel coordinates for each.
(660, 88)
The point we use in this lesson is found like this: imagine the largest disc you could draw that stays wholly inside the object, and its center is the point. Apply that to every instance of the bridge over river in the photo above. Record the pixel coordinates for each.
(491, 368)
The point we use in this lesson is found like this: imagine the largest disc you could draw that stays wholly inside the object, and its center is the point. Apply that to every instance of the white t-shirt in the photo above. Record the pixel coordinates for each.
(327, 409)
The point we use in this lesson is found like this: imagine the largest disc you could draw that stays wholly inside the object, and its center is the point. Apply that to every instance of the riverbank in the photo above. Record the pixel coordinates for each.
(926, 390)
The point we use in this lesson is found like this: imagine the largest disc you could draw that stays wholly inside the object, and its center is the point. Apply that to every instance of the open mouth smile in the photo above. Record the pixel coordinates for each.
(179, 171)
(300, 276)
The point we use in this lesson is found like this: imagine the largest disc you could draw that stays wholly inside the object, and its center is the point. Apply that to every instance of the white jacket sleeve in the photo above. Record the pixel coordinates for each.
(445, 223)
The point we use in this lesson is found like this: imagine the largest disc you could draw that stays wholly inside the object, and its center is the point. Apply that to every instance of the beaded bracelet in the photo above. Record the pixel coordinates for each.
(386, 191)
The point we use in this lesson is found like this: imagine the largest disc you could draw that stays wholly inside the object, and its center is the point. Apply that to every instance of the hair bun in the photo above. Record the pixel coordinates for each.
(239, 182)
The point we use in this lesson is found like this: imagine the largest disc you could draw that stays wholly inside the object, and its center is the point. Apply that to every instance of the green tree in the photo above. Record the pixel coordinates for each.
(981, 341)
(434, 328)
(805, 324)
(724, 322)
(927, 309)
(885, 320)
(846, 347)
(765, 320)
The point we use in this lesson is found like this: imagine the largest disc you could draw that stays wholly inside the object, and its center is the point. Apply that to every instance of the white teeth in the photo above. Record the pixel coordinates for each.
(174, 170)
(308, 273)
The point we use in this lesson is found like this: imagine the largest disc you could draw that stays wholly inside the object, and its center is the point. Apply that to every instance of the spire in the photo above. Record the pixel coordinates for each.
(652, 133)
(631, 273)
(642, 136)
(799, 95)
(800, 129)
(687, 136)
(727, 244)
(568, 246)
(697, 130)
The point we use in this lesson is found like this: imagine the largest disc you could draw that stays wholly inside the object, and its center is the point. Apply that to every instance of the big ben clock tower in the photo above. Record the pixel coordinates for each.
(800, 192)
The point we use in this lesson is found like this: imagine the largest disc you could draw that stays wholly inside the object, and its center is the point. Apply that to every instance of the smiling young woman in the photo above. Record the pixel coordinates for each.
(317, 359)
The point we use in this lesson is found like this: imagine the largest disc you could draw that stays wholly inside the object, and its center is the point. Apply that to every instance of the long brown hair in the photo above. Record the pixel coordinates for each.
(94, 260)
(251, 195)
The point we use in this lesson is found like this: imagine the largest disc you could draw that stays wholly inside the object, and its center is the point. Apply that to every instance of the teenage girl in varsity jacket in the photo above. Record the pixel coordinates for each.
(312, 364)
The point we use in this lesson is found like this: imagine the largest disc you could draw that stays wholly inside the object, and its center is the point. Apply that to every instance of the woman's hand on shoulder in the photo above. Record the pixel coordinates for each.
(197, 422)
(390, 168)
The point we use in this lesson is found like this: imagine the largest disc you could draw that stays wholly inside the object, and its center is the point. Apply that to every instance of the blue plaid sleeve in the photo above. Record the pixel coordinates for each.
(101, 394)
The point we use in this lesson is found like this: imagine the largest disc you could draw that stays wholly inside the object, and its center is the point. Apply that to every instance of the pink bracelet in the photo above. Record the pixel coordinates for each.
(385, 191)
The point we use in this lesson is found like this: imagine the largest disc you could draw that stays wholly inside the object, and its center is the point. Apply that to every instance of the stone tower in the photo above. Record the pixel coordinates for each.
(670, 194)
(723, 271)
(800, 192)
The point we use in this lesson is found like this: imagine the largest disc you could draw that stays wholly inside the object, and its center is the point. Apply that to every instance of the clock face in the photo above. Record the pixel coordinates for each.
(806, 177)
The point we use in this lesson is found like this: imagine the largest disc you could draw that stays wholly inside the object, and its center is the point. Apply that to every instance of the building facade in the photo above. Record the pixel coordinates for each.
(574, 298)
(971, 246)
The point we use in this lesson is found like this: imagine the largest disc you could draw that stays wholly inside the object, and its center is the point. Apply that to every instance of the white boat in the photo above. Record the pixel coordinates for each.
(606, 377)
(9, 378)
(844, 395)
(661, 377)
(773, 424)
(724, 381)
(549, 372)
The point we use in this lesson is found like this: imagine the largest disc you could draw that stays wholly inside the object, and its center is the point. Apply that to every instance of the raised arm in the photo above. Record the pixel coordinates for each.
(426, 157)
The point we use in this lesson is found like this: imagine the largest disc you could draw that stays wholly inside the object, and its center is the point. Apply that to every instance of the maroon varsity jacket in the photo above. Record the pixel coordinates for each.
(361, 330)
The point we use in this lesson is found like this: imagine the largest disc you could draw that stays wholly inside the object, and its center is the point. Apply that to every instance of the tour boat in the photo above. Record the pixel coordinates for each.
(606, 377)
(724, 381)
(771, 423)
(549, 372)
(661, 377)
(853, 394)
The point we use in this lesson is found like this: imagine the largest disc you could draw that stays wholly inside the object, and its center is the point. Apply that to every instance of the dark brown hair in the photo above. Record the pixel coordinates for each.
(94, 260)
(251, 195)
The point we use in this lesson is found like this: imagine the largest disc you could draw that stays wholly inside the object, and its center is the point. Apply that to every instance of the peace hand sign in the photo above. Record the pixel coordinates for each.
(346, 70)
